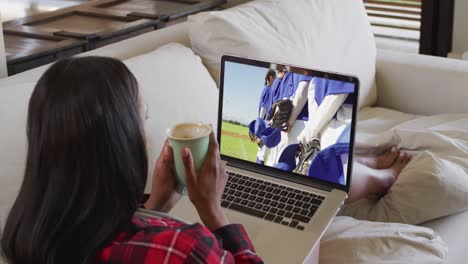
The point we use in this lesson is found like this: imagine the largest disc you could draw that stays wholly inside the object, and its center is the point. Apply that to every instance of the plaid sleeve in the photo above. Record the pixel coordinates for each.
(234, 247)
(234, 239)
(161, 240)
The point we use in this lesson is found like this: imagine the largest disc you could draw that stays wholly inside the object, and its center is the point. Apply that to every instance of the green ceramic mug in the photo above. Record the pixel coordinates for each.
(196, 137)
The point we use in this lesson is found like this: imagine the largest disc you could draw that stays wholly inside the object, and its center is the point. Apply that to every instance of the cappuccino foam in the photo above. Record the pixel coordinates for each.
(189, 131)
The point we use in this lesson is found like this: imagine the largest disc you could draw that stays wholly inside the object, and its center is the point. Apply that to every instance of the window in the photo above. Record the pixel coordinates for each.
(421, 26)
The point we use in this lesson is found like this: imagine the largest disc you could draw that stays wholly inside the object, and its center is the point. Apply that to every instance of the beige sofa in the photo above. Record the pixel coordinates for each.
(413, 93)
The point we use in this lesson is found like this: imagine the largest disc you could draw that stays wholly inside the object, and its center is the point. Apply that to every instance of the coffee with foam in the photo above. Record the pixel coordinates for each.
(186, 131)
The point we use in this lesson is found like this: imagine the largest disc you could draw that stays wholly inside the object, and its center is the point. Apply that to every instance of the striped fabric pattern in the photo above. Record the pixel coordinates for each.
(164, 240)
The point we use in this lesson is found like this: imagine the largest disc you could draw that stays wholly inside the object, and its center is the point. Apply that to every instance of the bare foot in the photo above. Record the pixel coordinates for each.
(373, 183)
(381, 161)
(385, 178)
(400, 164)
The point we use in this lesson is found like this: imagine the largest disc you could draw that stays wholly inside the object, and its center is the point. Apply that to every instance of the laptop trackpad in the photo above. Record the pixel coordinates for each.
(185, 210)
(252, 225)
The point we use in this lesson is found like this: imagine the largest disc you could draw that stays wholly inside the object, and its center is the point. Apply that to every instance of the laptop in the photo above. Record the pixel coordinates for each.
(287, 180)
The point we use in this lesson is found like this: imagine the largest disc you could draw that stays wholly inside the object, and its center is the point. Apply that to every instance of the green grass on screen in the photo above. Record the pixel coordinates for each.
(236, 144)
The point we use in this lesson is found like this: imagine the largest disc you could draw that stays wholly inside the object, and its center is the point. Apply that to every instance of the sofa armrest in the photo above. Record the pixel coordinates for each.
(3, 65)
(421, 84)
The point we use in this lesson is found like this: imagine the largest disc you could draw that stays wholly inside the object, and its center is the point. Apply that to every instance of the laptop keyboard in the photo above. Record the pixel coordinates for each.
(277, 203)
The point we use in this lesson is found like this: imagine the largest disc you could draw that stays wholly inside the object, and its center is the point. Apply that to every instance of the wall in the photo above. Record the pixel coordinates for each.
(460, 30)
(3, 69)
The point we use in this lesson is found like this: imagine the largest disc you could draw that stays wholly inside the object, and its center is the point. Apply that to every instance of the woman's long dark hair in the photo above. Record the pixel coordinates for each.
(86, 165)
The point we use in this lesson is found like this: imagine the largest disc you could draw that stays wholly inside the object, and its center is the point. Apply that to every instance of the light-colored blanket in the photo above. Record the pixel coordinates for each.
(434, 183)
(355, 241)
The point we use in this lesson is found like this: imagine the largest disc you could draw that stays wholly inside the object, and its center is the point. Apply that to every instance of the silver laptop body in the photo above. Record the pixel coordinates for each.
(260, 205)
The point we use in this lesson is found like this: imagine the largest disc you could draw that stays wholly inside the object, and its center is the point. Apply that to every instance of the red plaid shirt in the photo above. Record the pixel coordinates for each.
(163, 240)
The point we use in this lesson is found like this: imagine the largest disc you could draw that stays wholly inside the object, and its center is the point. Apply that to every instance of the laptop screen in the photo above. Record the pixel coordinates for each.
(288, 118)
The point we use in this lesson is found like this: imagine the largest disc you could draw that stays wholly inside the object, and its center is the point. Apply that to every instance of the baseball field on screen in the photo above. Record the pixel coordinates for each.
(235, 142)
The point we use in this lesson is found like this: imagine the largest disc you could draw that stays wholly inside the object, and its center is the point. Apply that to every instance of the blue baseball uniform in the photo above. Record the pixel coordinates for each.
(265, 100)
(276, 92)
(324, 87)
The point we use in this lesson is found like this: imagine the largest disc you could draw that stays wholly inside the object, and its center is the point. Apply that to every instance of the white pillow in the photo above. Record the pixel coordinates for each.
(14, 102)
(429, 187)
(330, 35)
(177, 88)
(435, 183)
(352, 241)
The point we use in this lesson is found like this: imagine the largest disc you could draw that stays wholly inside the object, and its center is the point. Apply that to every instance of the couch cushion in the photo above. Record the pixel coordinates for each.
(353, 241)
(177, 88)
(434, 184)
(14, 102)
(322, 34)
(430, 186)
(453, 231)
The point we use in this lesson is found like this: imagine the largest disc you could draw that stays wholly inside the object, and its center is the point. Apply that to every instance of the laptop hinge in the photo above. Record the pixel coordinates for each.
(282, 175)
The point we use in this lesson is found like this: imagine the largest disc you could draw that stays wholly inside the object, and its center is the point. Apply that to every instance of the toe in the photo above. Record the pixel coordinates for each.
(410, 157)
(394, 153)
(391, 155)
(407, 158)
(402, 157)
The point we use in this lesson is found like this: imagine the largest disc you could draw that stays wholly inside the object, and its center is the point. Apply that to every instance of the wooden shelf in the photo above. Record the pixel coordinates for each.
(26, 50)
(37, 40)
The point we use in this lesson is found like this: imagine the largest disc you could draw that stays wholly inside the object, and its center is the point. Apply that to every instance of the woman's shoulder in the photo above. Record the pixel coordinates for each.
(152, 238)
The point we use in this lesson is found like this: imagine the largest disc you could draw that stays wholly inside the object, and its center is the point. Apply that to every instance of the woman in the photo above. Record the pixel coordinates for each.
(85, 175)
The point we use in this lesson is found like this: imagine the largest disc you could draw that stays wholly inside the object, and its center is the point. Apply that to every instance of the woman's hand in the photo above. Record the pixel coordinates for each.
(163, 195)
(206, 187)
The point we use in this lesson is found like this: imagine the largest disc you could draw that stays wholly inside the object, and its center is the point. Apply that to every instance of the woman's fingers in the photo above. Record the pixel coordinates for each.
(163, 153)
(205, 187)
(213, 149)
(190, 174)
(212, 157)
(224, 176)
(168, 157)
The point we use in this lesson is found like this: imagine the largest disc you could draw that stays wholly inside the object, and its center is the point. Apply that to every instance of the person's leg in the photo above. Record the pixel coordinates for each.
(296, 129)
(306, 134)
(372, 182)
(382, 161)
(275, 152)
(270, 160)
(261, 154)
